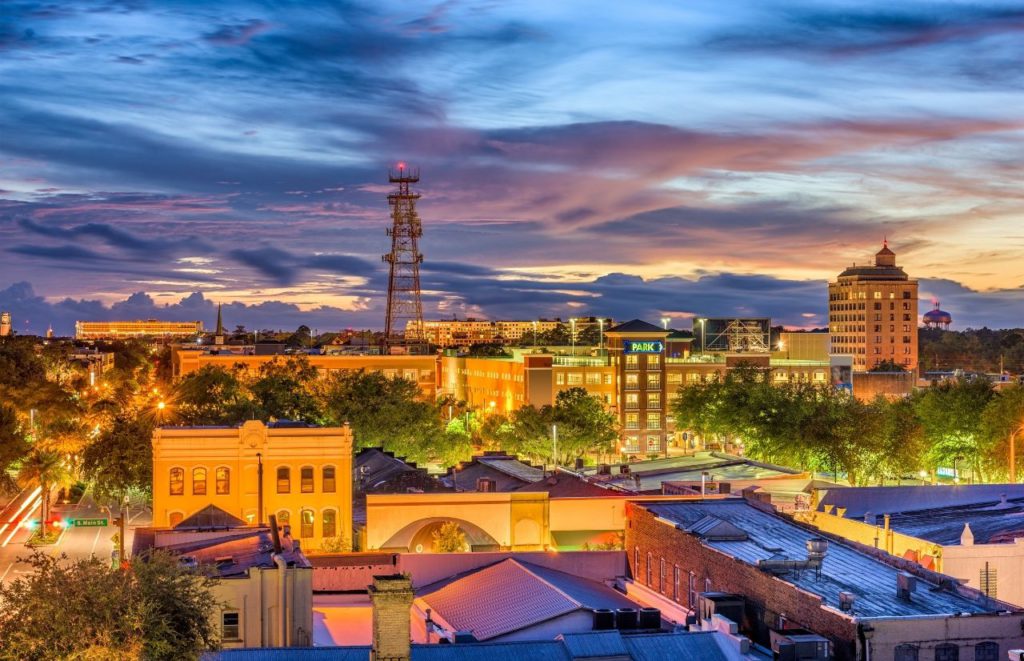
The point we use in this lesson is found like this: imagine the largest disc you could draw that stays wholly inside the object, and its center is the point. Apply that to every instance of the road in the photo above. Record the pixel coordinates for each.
(75, 542)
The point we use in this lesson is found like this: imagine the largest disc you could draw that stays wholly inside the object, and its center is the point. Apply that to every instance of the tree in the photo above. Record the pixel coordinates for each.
(382, 412)
(49, 470)
(84, 609)
(584, 425)
(557, 336)
(950, 415)
(13, 444)
(211, 395)
(284, 391)
(449, 538)
(121, 458)
(1002, 416)
(888, 365)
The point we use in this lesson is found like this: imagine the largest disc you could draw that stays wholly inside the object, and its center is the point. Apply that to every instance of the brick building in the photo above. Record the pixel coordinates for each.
(866, 606)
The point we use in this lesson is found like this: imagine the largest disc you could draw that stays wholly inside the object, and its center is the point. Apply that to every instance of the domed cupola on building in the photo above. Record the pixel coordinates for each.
(937, 318)
(872, 313)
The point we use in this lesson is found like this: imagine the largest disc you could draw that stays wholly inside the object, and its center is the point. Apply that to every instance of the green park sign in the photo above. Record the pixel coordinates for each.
(642, 346)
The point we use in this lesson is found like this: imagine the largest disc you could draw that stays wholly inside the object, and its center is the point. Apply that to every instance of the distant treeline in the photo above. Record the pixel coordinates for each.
(977, 350)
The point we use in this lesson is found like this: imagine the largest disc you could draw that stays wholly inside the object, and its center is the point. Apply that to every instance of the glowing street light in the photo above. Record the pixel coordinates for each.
(572, 325)
(702, 321)
(600, 333)
(664, 322)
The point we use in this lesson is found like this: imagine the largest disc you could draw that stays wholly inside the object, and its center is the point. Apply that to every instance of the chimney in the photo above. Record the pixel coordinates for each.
(391, 596)
(906, 585)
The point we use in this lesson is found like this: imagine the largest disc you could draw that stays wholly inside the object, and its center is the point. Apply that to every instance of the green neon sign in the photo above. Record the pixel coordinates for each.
(643, 346)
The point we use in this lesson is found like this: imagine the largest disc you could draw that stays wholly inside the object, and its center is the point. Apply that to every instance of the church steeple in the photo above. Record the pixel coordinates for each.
(218, 337)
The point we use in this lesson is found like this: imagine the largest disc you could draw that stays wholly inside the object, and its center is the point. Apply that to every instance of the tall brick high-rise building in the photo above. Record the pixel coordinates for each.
(872, 314)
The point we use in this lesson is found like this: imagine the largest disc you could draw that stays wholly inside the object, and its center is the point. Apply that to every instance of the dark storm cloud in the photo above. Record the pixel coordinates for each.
(852, 30)
(62, 252)
(284, 268)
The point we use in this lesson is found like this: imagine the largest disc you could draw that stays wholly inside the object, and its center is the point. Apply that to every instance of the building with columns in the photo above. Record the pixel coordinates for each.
(872, 314)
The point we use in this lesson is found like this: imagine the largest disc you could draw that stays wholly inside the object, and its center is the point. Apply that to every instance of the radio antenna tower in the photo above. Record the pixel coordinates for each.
(403, 331)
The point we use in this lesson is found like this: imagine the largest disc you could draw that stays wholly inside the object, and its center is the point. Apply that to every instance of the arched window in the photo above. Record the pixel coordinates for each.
(175, 518)
(330, 523)
(284, 480)
(223, 481)
(905, 652)
(177, 482)
(198, 481)
(987, 651)
(947, 652)
(306, 479)
(284, 518)
(329, 485)
(306, 529)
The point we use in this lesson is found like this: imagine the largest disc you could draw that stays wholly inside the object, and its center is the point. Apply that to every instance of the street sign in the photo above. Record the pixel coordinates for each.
(89, 523)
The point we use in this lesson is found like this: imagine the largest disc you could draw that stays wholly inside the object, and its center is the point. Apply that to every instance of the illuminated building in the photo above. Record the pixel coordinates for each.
(636, 377)
(873, 314)
(419, 368)
(5, 324)
(307, 476)
(263, 584)
(467, 332)
(115, 330)
(637, 355)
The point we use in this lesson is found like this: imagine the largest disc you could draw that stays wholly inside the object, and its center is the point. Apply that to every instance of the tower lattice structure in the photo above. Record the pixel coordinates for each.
(404, 304)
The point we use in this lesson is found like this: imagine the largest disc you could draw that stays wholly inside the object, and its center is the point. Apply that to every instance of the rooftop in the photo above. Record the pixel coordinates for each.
(859, 501)
(844, 569)
(234, 554)
(568, 485)
(511, 595)
(636, 326)
(938, 514)
(706, 646)
(647, 476)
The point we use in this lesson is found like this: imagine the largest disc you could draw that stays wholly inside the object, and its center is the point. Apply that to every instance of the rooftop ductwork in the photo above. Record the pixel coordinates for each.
(779, 565)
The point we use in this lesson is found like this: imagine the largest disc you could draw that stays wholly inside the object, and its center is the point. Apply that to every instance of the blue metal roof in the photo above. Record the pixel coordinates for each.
(844, 568)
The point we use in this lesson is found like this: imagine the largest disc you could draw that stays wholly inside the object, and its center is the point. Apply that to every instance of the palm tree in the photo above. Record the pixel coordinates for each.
(49, 470)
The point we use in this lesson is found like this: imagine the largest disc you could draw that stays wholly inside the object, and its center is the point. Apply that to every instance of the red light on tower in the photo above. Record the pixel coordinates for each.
(401, 165)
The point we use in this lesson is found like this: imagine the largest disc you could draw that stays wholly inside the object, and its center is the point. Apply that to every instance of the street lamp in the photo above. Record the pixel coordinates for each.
(534, 332)
(1013, 453)
(702, 321)
(664, 322)
(600, 333)
(554, 445)
(572, 326)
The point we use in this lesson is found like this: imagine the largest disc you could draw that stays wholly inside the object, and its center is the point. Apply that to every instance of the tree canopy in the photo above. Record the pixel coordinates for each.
(155, 609)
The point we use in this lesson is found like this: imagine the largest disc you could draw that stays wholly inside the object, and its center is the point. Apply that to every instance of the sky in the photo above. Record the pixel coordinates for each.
(638, 159)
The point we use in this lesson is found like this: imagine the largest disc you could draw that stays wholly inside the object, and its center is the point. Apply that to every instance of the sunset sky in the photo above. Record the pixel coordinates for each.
(627, 159)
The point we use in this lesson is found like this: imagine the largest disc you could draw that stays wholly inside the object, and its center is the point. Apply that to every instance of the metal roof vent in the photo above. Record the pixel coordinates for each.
(906, 585)
(846, 601)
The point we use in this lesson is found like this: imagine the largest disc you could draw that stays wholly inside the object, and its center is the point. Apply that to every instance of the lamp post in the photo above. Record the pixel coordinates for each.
(1013, 453)
(534, 332)
(554, 445)
(572, 334)
(664, 322)
(600, 333)
(702, 335)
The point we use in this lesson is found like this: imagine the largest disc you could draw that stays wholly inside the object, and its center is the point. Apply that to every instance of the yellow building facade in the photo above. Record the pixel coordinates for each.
(114, 330)
(307, 477)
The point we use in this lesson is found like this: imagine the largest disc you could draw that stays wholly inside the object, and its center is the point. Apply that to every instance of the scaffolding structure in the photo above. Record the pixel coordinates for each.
(739, 335)
(404, 303)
